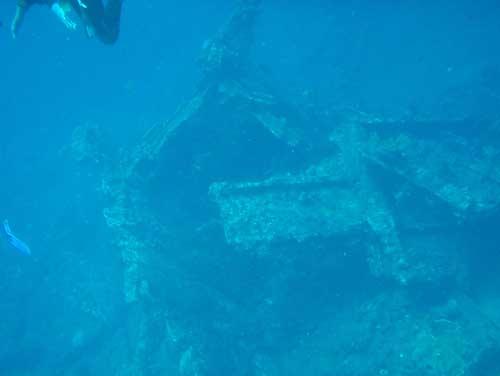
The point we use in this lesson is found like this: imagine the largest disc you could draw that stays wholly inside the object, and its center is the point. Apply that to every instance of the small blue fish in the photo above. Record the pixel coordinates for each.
(14, 241)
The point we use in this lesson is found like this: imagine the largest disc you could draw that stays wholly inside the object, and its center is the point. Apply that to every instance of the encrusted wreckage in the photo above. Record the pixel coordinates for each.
(231, 129)
(243, 168)
(390, 335)
(371, 186)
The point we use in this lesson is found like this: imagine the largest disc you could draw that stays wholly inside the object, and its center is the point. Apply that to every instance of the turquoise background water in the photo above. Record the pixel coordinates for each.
(392, 59)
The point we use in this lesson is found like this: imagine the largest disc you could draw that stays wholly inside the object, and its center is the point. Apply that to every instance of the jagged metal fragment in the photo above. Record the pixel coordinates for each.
(457, 170)
(289, 207)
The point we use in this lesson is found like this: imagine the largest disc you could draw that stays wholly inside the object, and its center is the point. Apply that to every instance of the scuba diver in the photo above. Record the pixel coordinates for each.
(101, 21)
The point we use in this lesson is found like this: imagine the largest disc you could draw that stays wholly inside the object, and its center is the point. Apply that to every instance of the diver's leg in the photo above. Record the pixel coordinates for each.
(18, 19)
(92, 15)
(109, 28)
(113, 13)
(94, 9)
(103, 21)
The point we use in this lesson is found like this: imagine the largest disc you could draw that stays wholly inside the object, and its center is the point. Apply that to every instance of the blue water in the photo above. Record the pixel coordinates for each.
(63, 310)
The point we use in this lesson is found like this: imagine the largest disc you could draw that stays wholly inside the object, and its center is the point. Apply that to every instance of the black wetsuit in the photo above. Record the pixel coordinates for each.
(104, 20)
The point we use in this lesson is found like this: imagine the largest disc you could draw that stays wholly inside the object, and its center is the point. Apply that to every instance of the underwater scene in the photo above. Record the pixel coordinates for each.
(249, 188)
